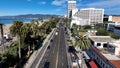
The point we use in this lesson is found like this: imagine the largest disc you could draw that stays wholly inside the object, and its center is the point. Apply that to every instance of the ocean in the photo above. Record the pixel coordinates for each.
(10, 21)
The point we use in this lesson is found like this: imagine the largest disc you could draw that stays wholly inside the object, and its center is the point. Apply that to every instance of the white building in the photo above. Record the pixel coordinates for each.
(94, 15)
(105, 52)
(103, 42)
(71, 6)
(100, 41)
(85, 16)
(116, 43)
(79, 21)
(73, 12)
(101, 60)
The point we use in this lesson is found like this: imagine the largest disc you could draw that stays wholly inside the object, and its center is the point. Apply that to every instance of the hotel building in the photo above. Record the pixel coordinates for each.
(94, 15)
(71, 6)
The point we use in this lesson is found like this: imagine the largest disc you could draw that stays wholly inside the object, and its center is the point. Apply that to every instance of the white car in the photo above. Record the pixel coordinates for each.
(56, 33)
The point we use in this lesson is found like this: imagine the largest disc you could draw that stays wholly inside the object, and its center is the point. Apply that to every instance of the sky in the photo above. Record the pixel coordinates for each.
(58, 7)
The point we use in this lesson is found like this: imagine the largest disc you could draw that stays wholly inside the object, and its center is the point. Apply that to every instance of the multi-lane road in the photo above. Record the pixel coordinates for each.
(56, 54)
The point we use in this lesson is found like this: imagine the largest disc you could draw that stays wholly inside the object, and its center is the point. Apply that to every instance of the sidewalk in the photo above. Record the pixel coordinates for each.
(80, 60)
(36, 53)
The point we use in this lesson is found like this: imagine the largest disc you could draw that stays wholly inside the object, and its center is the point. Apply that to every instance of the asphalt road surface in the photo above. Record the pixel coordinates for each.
(56, 56)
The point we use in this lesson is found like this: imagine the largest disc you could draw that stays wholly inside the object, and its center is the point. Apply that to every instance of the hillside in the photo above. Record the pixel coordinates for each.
(30, 16)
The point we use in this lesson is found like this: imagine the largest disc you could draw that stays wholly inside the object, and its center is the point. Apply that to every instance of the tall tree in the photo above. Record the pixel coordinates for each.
(1, 29)
(15, 29)
(75, 29)
(2, 32)
(26, 32)
(82, 42)
(67, 22)
(35, 27)
(35, 31)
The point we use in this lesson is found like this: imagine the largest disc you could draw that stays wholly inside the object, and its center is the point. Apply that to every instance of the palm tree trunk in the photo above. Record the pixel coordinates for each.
(19, 50)
(2, 32)
(28, 49)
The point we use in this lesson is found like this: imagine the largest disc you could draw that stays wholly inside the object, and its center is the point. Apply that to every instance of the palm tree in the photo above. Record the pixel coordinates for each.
(67, 21)
(75, 29)
(15, 29)
(2, 32)
(35, 31)
(1, 29)
(82, 42)
(40, 19)
(26, 32)
(35, 27)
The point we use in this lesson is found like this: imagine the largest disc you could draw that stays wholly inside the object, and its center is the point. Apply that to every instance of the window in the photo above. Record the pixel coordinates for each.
(98, 44)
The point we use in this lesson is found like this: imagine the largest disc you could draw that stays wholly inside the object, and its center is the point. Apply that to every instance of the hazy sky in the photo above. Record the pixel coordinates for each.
(59, 7)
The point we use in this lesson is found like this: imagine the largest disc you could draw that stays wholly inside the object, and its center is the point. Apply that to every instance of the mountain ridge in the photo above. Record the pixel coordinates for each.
(30, 16)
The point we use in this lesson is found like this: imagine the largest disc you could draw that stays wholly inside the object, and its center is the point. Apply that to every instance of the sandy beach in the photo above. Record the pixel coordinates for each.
(6, 28)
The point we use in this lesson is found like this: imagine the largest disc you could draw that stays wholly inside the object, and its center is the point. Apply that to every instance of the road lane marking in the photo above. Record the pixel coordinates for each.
(57, 61)
(58, 50)
(62, 57)
(54, 47)
(57, 57)
(62, 63)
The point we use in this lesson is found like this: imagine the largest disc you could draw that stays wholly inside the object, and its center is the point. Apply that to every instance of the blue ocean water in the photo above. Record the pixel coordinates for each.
(10, 21)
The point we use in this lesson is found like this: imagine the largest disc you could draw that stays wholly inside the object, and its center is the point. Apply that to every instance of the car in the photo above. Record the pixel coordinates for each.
(56, 33)
(51, 40)
(48, 47)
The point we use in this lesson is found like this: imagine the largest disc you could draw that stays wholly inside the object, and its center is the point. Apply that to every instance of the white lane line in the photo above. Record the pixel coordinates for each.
(62, 57)
(62, 63)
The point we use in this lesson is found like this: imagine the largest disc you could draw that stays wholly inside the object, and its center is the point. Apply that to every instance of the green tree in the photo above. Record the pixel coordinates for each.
(15, 29)
(10, 56)
(35, 27)
(82, 42)
(40, 19)
(115, 36)
(2, 32)
(1, 29)
(87, 27)
(74, 29)
(26, 38)
(67, 22)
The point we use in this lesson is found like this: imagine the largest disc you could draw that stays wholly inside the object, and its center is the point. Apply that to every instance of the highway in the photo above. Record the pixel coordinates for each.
(56, 56)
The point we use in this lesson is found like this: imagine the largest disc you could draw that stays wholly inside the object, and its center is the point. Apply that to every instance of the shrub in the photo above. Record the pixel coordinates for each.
(102, 32)
(115, 36)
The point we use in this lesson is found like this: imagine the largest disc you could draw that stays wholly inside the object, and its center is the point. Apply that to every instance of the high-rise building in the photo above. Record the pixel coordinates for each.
(71, 6)
(92, 14)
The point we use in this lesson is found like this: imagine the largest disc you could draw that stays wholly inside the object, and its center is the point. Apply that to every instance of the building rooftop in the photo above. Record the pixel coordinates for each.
(109, 53)
(101, 38)
(103, 56)
(116, 43)
(111, 57)
(116, 63)
(91, 9)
